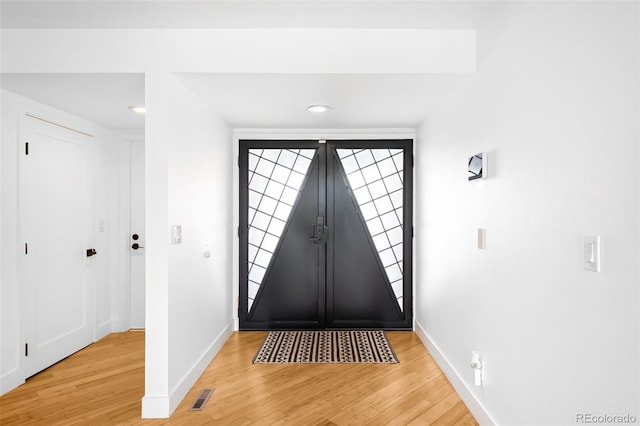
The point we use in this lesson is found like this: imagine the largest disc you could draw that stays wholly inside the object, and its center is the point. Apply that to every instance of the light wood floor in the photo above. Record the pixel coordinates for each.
(104, 383)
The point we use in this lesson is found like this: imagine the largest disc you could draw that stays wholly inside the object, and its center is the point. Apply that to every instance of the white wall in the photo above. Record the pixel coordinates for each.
(189, 181)
(555, 104)
(101, 273)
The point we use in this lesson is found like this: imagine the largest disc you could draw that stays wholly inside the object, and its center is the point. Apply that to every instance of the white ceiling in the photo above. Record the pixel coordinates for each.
(249, 100)
(356, 100)
(100, 98)
(239, 14)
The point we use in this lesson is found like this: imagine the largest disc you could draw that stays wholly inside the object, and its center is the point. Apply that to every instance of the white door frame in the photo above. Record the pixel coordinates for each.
(299, 134)
(124, 240)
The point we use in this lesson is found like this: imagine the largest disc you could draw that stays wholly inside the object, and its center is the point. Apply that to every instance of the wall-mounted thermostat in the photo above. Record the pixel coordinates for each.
(477, 166)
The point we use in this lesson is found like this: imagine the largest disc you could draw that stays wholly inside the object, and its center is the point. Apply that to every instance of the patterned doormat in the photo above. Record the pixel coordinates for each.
(326, 347)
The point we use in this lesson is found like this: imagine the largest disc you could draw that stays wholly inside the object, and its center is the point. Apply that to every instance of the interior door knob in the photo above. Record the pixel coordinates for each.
(136, 246)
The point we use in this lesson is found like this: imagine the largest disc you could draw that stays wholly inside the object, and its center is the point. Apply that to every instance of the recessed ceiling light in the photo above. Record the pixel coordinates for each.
(137, 108)
(318, 108)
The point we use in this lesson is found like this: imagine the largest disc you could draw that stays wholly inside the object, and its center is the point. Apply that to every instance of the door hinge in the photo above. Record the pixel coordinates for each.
(26, 148)
(238, 232)
(26, 248)
(26, 349)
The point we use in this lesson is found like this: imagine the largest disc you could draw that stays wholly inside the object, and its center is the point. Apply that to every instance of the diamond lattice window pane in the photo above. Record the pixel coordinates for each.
(395, 235)
(254, 199)
(253, 251)
(280, 174)
(383, 205)
(301, 165)
(377, 189)
(381, 242)
(287, 159)
(255, 236)
(399, 160)
(275, 179)
(258, 183)
(376, 178)
(261, 221)
(389, 220)
(387, 257)
(253, 289)
(289, 196)
(381, 154)
(368, 211)
(276, 227)
(371, 174)
(356, 180)
(253, 160)
(397, 250)
(393, 183)
(375, 226)
(267, 205)
(387, 167)
(274, 189)
(282, 211)
(265, 167)
(364, 158)
(349, 164)
(263, 258)
(295, 180)
(256, 273)
(397, 289)
(396, 199)
(394, 273)
(308, 153)
(362, 195)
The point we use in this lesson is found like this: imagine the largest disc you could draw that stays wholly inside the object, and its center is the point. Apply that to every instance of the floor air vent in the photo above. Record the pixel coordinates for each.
(201, 400)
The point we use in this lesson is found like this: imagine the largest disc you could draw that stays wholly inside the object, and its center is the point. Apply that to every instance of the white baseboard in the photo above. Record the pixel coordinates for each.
(156, 407)
(472, 403)
(119, 326)
(10, 381)
(103, 329)
(161, 407)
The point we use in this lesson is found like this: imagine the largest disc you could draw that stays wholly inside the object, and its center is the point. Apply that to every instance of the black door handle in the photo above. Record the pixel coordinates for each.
(136, 246)
(91, 252)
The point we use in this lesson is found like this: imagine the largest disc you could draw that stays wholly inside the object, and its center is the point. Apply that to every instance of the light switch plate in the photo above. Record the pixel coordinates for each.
(591, 253)
(176, 234)
(481, 238)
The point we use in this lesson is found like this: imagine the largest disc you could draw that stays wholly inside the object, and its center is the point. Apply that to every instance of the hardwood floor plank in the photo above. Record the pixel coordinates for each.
(466, 420)
(103, 384)
(453, 415)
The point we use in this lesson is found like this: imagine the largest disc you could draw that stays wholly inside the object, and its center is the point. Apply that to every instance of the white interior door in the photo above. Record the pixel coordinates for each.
(55, 218)
(137, 259)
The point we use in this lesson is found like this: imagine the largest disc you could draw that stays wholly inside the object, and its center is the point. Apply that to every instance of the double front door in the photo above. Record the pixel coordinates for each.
(325, 234)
